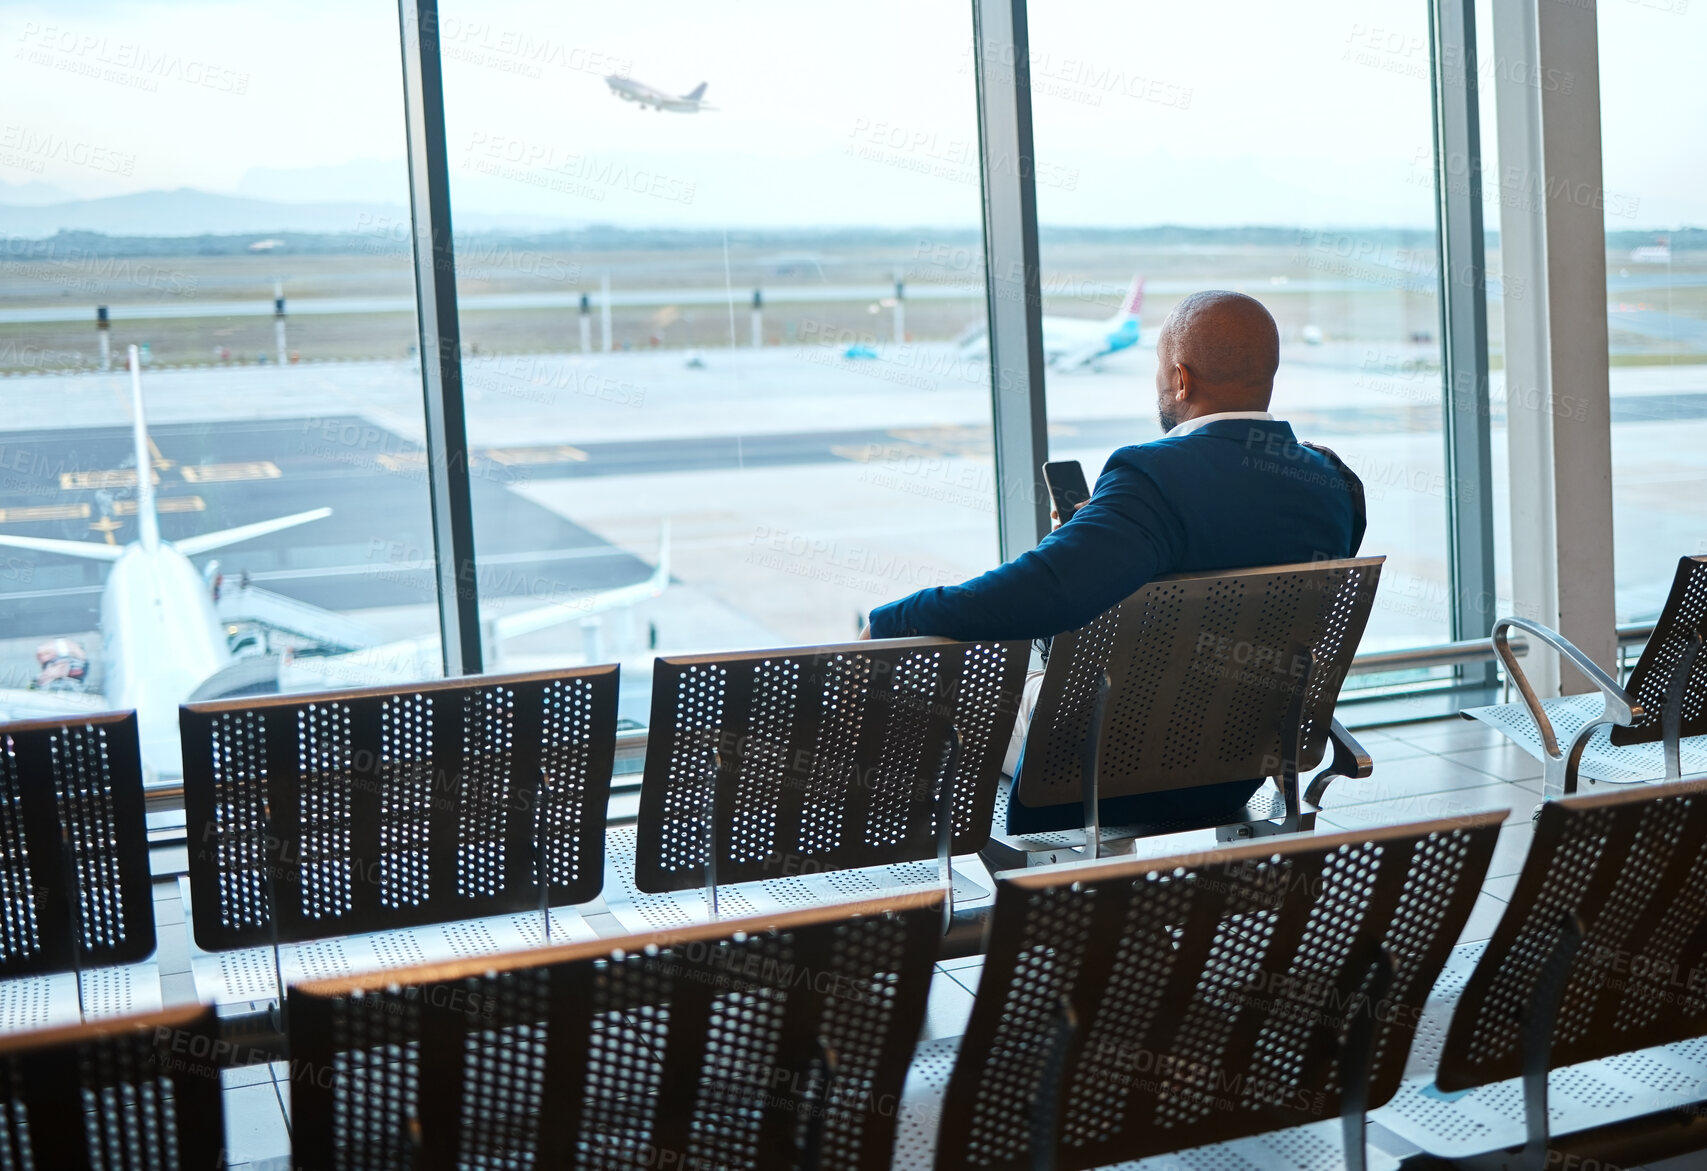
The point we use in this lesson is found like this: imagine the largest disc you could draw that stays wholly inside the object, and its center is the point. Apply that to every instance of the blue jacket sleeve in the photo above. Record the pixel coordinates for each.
(1124, 536)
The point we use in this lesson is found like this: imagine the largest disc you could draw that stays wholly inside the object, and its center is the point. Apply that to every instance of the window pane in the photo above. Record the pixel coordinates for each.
(815, 457)
(1280, 151)
(1653, 123)
(181, 169)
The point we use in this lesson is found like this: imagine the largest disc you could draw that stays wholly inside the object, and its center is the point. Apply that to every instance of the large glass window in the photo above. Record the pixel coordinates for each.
(1653, 124)
(1281, 151)
(711, 264)
(171, 176)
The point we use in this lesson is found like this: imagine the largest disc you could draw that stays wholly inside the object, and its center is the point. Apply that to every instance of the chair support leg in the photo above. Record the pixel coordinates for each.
(945, 826)
(818, 1116)
(269, 890)
(1091, 782)
(1052, 1090)
(1671, 714)
(1540, 1016)
(74, 887)
(711, 835)
(1358, 1061)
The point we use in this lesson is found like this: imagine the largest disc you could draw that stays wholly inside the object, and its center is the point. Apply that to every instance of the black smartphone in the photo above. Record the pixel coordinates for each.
(1067, 487)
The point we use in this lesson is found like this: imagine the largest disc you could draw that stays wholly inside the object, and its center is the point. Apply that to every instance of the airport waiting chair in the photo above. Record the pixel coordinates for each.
(76, 899)
(1133, 1008)
(129, 1092)
(828, 767)
(1197, 679)
(382, 827)
(1652, 728)
(1597, 972)
(778, 1043)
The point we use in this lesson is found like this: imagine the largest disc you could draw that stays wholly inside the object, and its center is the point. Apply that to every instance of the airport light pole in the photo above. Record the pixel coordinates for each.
(279, 322)
(586, 324)
(102, 331)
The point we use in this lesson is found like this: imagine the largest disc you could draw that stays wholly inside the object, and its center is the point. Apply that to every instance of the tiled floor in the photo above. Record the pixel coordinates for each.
(1438, 769)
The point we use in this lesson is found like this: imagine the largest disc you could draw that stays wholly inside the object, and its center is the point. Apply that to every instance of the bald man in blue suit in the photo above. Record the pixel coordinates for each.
(1228, 486)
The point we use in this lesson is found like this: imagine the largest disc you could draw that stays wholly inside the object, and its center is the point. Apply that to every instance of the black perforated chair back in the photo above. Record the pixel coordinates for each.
(396, 807)
(745, 1044)
(1213, 995)
(1202, 668)
(73, 846)
(139, 1091)
(831, 756)
(1631, 868)
(1685, 613)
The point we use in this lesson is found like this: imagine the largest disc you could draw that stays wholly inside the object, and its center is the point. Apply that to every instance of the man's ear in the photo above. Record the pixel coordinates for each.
(1185, 383)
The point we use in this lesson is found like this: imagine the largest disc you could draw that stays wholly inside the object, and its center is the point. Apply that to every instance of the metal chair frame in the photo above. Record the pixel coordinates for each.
(1121, 1001)
(1651, 707)
(1153, 696)
(763, 764)
(778, 1042)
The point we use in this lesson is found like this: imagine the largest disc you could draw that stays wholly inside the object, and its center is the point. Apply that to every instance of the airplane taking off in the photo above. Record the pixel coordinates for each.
(1072, 343)
(630, 90)
(169, 637)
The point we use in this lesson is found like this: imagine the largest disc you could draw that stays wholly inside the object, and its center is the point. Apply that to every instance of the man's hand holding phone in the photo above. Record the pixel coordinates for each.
(1068, 491)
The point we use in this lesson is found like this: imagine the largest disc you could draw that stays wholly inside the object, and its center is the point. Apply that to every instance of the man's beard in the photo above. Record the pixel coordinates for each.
(1168, 420)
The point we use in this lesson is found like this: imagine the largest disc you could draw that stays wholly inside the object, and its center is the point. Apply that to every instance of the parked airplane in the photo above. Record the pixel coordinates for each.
(630, 90)
(170, 637)
(1071, 343)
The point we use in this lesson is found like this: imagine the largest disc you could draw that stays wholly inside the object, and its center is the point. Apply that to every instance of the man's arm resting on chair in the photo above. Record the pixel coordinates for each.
(1122, 537)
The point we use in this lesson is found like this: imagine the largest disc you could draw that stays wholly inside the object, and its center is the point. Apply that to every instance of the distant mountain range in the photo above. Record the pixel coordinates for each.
(189, 212)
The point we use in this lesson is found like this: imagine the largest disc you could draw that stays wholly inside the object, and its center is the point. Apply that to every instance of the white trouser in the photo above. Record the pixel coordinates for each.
(1022, 720)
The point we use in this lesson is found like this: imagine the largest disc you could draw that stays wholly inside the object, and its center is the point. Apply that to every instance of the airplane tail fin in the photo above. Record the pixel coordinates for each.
(696, 93)
(147, 517)
(1134, 299)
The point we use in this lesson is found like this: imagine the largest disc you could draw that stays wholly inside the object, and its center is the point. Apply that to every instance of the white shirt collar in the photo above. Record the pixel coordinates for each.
(1190, 425)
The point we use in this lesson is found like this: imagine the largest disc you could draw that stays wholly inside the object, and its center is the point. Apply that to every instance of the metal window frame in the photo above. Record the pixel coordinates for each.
(1013, 293)
(441, 339)
(1463, 326)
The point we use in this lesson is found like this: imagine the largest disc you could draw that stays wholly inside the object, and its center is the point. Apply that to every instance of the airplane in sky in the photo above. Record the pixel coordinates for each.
(1073, 343)
(170, 635)
(630, 90)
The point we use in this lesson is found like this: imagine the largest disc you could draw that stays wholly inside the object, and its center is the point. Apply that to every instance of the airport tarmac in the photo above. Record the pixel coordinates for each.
(803, 487)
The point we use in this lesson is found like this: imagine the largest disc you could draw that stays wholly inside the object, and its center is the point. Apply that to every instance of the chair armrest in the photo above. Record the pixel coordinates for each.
(1351, 759)
(1621, 706)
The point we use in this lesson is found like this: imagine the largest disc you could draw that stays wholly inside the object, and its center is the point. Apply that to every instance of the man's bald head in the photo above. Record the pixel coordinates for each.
(1217, 351)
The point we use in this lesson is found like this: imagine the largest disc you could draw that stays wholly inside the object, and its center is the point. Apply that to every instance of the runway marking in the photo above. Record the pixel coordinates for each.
(160, 461)
(560, 453)
(110, 478)
(403, 461)
(255, 469)
(107, 526)
(162, 504)
(45, 512)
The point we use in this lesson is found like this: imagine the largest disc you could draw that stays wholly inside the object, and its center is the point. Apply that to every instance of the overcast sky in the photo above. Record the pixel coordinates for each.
(1209, 112)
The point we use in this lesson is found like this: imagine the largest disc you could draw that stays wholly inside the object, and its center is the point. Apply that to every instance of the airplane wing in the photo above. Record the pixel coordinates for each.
(87, 550)
(1078, 357)
(208, 542)
(420, 658)
(18, 704)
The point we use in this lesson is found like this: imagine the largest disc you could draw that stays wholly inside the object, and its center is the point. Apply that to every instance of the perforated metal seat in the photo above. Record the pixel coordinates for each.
(1617, 734)
(778, 1043)
(384, 827)
(1599, 965)
(75, 891)
(824, 761)
(1209, 678)
(1134, 1008)
(138, 1091)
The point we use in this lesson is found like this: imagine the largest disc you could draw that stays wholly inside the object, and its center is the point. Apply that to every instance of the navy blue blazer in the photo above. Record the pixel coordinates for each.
(1233, 494)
